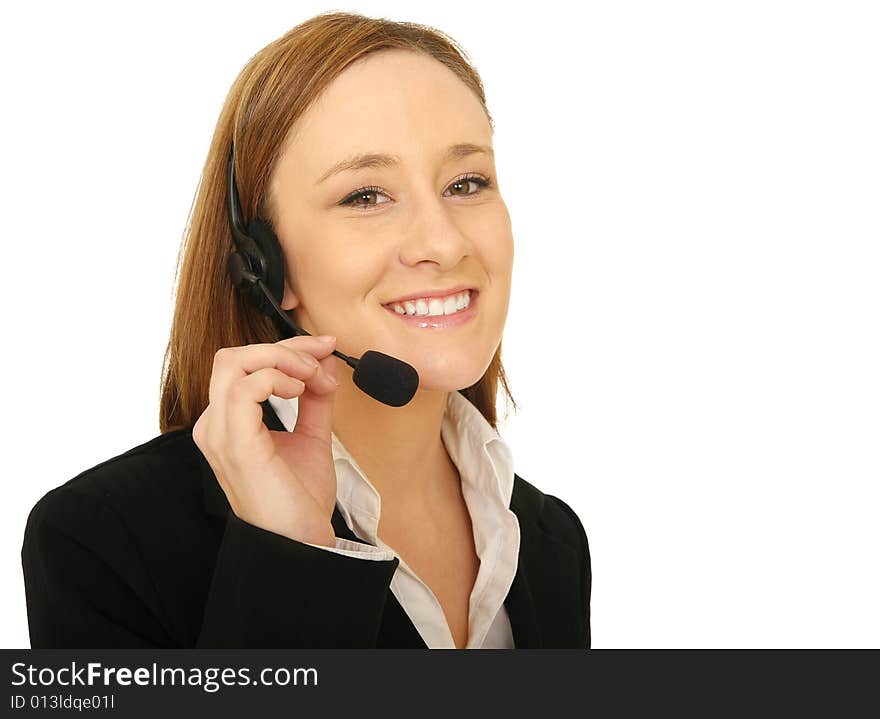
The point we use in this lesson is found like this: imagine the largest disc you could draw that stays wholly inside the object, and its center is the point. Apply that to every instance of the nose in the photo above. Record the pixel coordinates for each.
(436, 233)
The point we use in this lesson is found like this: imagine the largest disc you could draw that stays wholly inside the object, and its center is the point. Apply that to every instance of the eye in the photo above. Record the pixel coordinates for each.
(361, 198)
(463, 182)
(364, 193)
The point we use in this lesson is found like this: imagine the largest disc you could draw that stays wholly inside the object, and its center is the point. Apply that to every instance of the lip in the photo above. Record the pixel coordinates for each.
(426, 294)
(441, 321)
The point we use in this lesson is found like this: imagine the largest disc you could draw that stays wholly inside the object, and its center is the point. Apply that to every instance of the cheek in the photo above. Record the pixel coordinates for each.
(495, 240)
(499, 265)
(497, 250)
(339, 275)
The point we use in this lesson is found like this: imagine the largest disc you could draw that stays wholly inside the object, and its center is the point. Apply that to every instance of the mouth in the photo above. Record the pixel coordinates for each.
(437, 312)
(433, 306)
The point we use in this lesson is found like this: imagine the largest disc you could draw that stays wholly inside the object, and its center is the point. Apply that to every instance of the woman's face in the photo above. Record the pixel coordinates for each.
(357, 239)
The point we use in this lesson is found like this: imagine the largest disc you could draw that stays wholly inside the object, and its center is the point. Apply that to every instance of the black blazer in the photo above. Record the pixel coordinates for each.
(143, 550)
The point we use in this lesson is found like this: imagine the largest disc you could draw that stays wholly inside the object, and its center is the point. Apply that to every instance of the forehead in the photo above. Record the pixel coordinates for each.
(393, 101)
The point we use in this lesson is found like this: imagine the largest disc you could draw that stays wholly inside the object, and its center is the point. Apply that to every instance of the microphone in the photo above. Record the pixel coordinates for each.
(385, 378)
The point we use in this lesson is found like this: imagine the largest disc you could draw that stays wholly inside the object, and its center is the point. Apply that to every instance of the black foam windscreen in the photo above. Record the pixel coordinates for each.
(386, 379)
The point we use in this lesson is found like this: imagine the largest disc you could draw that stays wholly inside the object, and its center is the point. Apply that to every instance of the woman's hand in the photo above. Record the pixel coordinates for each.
(284, 482)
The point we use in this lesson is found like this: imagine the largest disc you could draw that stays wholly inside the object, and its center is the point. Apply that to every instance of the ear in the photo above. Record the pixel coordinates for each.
(290, 300)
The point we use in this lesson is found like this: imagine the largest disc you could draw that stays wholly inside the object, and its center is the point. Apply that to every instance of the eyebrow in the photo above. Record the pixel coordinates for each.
(376, 159)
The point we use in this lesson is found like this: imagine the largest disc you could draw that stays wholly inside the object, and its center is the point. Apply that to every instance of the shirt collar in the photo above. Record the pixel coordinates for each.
(484, 460)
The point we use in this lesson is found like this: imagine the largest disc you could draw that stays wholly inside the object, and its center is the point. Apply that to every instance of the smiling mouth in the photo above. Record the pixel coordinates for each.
(434, 306)
(459, 318)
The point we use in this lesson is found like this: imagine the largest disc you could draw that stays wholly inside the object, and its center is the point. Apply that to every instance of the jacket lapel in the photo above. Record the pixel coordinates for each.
(520, 603)
(545, 596)
(397, 629)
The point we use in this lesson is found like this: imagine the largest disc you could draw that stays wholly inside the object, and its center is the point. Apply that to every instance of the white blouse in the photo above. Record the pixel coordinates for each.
(485, 464)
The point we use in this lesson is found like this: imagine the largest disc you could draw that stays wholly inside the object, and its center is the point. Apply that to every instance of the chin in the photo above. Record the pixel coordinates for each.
(453, 374)
(445, 385)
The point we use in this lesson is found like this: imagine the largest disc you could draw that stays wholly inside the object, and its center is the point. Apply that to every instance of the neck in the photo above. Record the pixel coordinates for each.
(400, 449)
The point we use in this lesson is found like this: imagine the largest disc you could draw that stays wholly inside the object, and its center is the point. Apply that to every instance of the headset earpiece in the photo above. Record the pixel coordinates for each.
(257, 255)
(269, 249)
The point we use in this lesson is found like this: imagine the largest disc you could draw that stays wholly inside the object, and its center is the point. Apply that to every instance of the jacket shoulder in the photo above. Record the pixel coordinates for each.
(95, 548)
(558, 522)
(147, 478)
(550, 513)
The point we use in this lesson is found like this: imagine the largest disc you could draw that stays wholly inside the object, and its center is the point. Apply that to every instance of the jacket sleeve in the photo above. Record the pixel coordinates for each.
(584, 639)
(87, 585)
(272, 591)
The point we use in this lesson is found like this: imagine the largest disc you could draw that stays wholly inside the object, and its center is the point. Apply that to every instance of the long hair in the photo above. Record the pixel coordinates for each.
(271, 92)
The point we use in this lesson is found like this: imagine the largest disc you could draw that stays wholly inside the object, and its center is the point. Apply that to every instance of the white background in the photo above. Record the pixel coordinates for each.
(693, 334)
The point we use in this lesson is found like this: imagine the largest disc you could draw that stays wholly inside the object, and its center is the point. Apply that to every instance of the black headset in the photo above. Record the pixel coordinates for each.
(256, 267)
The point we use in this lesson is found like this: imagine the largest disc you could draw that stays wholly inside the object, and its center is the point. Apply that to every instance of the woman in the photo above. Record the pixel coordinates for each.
(282, 505)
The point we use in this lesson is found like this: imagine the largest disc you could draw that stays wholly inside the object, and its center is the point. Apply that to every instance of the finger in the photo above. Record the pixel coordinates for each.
(233, 363)
(319, 347)
(314, 344)
(244, 414)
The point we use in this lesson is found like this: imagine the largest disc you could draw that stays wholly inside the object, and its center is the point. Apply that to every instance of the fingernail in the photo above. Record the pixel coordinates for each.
(326, 338)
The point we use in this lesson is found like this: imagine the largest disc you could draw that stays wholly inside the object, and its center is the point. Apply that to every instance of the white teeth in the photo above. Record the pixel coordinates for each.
(434, 306)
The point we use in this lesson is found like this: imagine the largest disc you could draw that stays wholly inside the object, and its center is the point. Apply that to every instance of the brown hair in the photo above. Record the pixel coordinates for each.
(271, 92)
